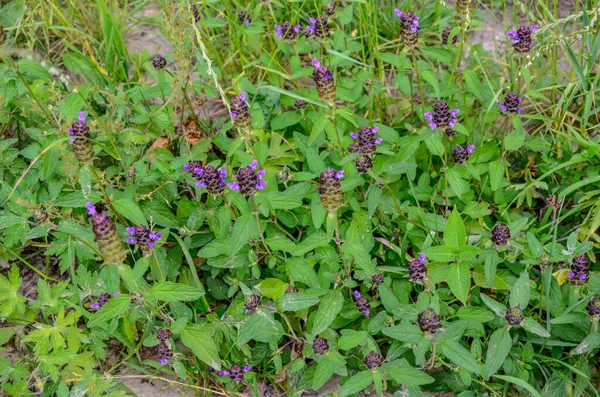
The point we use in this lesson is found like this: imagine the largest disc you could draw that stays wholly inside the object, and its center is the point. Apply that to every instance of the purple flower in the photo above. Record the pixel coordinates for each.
(143, 237)
(511, 104)
(91, 209)
(95, 306)
(422, 258)
(367, 312)
(471, 148)
(356, 294)
(442, 116)
(340, 174)
(247, 368)
(248, 179)
(164, 361)
(571, 275)
(233, 186)
(286, 31)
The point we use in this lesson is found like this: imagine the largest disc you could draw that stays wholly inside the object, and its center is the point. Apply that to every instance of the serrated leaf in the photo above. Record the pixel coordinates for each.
(459, 281)
(112, 309)
(296, 301)
(455, 235)
(519, 293)
(498, 349)
(330, 307)
(356, 383)
(350, 339)
(459, 356)
(202, 344)
(534, 327)
(174, 292)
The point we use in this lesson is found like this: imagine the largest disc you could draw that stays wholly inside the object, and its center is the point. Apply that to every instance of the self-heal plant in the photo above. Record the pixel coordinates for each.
(522, 38)
(461, 153)
(239, 112)
(81, 142)
(442, 116)
(580, 270)
(330, 189)
(366, 141)
(409, 28)
(319, 27)
(143, 238)
(248, 180)
(208, 177)
(324, 81)
(107, 238)
(236, 372)
(286, 31)
(417, 271)
(511, 104)
(362, 304)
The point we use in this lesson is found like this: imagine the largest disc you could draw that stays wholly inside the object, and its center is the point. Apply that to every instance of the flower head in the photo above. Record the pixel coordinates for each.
(239, 112)
(106, 235)
(287, 31)
(81, 143)
(511, 104)
(330, 189)
(442, 116)
(248, 180)
(409, 27)
(319, 27)
(143, 237)
(522, 38)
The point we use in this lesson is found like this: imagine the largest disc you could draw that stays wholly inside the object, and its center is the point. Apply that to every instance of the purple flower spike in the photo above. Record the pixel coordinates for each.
(354, 135)
(82, 115)
(223, 373)
(571, 275)
(356, 294)
(253, 165)
(261, 185)
(316, 63)
(247, 368)
(340, 174)
(91, 209)
(422, 258)
(367, 312)
(233, 186)
(471, 148)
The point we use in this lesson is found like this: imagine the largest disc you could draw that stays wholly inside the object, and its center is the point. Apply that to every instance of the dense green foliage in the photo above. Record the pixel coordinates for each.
(256, 207)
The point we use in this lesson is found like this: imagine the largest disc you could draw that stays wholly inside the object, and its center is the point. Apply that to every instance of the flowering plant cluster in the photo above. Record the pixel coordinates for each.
(330, 197)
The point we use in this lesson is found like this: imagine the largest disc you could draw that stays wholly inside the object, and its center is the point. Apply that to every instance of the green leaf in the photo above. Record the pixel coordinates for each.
(459, 355)
(442, 253)
(131, 210)
(468, 252)
(112, 309)
(534, 327)
(459, 280)
(475, 313)
(458, 185)
(350, 339)
(282, 201)
(407, 333)
(330, 307)
(519, 294)
(243, 229)
(388, 299)
(515, 139)
(534, 245)
(324, 371)
(455, 235)
(496, 307)
(262, 327)
(588, 344)
(297, 301)
(496, 174)
(521, 383)
(174, 292)
(301, 271)
(373, 198)
(498, 349)
(272, 288)
(316, 240)
(357, 383)
(285, 120)
(404, 374)
(360, 255)
(202, 344)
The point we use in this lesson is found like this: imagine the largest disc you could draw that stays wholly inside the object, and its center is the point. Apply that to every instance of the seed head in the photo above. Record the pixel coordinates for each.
(320, 346)
(373, 360)
(442, 116)
(378, 278)
(248, 180)
(331, 189)
(580, 270)
(81, 143)
(239, 112)
(500, 234)
(163, 353)
(409, 28)
(106, 235)
(514, 315)
(292, 289)
(462, 153)
(511, 104)
(329, 9)
(463, 6)
(196, 13)
(252, 302)
(286, 31)
(244, 18)
(324, 82)
(163, 334)
(429, 321)
(236, 372)
(363, 164)
(417, 270)
(300, 104)
(593, 308)
(522, 38)
(158, 61)
(446, 35)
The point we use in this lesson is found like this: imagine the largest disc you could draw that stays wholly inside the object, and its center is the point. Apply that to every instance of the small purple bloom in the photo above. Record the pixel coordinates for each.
(340, 174)
(422, 258)
(571, 275)
(513, 35)
(316, 63)
(222, 173)
(247, 368)
(454, 112)
(243, 96)
(471, 148)
(356, 294)
(534, 28)
(253, 165)
(399, 13)
(233, 115)
(261, 185)
(201, 184)
(95, 306)
(261, 174)
(82, 115)
(583, 276)
(71, 132)
(378, 141)
(117, 293)
(186, 167)
(233, 186)
(223, 373)
(367, 312)
(130, 230)
(354, 135)
(164, 361)
(91, 209)
(279, 33)
(130, 240)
